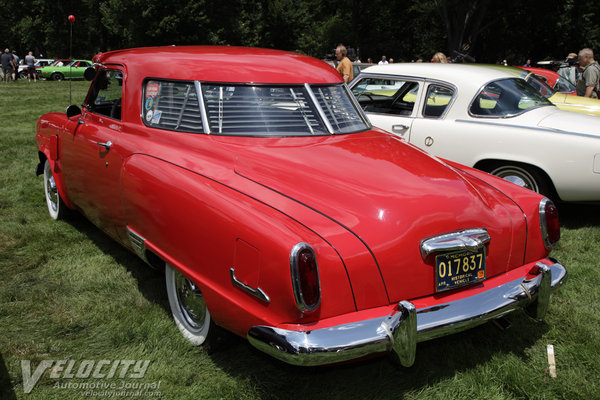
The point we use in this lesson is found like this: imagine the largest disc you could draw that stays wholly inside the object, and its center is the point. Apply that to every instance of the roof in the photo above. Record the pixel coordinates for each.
(458, 74)
(221, 64)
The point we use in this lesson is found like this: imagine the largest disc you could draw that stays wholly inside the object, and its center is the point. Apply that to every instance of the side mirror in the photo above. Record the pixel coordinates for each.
(73, 110)
(89, 73)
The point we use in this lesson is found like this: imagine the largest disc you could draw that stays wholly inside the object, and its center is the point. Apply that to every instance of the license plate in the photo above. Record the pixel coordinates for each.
(459, 269)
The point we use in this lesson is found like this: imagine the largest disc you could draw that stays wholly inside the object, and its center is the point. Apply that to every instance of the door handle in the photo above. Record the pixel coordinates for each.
(105, 145)
(400, 128)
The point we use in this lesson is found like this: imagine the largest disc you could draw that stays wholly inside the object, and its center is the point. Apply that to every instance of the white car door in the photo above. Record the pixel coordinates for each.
(391, 103)
(432, 132)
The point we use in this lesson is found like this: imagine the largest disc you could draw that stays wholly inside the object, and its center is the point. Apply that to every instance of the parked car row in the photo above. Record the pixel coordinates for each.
(57, 70)
(256, 179)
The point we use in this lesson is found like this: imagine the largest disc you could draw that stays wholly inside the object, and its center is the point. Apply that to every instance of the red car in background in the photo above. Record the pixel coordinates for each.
(553, 79)
(255, 180)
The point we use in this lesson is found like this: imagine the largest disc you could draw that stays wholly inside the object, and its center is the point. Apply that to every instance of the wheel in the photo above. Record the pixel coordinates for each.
(56, 205)
(23, 74)
(523, 176)
(187, 306)
(57, 76)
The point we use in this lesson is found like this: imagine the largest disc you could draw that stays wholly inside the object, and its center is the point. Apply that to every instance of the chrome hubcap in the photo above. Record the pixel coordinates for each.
(51, 191)
(518, 177)
(190, 300)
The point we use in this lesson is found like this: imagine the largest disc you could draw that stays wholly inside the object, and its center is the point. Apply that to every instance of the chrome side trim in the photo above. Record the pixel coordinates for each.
(533, 128)
(300, 303)
(468, 239)
(399, 331)
(258, 292)
(200, 97)
(315, 101)
(138, 243)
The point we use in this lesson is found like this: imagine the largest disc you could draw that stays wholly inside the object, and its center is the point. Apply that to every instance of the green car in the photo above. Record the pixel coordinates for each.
(74, 70)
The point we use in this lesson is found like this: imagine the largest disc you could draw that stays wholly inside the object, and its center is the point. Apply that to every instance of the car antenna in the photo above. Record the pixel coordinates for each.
(71, 19)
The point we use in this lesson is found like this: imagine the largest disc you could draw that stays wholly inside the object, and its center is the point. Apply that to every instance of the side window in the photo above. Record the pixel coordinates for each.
(171, 105)
(84, 64)
(437, 100)
(107, 92)
(387, 96)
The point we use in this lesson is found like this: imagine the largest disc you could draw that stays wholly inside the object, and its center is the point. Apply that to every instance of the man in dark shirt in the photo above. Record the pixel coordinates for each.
(7, 64)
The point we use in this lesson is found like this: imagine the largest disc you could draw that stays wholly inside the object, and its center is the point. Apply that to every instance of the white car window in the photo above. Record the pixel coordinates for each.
(507, 98)
(386, 96)
(437, 101)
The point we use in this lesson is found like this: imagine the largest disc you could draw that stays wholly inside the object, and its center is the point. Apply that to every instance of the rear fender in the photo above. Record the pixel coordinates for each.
(200, 227)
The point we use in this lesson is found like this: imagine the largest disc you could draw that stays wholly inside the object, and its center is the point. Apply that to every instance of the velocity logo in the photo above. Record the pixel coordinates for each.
(84, 369)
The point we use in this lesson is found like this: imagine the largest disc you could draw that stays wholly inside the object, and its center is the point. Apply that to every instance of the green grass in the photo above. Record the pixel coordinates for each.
(67, 291)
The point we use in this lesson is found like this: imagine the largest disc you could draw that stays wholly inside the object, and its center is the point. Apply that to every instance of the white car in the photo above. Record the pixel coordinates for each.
(488, 119)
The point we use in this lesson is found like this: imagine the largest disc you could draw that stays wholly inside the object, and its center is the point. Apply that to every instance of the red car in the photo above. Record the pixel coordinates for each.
(279, 213)
(553, 79)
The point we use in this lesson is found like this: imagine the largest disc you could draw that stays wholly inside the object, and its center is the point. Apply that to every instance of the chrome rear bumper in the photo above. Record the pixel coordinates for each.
(399, 332)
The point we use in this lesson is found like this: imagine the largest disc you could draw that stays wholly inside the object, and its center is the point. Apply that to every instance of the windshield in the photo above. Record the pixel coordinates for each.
(540, 86)
(280, 110)
(507, 98)
(564, 86)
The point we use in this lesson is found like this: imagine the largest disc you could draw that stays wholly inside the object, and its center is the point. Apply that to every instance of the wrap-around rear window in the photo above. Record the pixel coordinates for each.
(250, 110)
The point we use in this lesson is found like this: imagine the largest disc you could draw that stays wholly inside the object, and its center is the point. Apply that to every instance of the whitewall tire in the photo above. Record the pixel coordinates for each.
(187, 306)
(56, 205)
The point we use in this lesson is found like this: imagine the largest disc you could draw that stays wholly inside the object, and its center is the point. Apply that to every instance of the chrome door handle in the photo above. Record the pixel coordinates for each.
(105, 145)
(400, 128)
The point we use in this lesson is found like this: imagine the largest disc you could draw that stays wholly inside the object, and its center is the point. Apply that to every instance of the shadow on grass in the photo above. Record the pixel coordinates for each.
(6, 390)
(575, 216)
(150, 281)
(380, 377)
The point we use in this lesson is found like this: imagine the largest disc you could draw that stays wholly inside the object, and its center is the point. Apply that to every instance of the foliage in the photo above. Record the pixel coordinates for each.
(402, 29)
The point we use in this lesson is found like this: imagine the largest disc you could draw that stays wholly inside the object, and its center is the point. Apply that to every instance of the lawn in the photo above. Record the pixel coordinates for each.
(68, 292)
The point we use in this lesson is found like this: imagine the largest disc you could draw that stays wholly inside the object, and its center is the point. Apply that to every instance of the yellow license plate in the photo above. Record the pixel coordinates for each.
(459, 269)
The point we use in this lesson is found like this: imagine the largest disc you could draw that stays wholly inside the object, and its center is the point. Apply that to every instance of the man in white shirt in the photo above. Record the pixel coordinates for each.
(383, 61)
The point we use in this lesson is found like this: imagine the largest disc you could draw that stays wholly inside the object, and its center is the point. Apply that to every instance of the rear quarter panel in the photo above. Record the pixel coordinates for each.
(203, 228)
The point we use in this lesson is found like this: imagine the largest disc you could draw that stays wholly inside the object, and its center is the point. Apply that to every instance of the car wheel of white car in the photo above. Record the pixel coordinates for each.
(56, 206)
(187, 306)
(522, 176)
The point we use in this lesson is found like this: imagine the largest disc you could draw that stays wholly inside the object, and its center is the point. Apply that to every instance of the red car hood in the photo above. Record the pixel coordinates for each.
(389, 194)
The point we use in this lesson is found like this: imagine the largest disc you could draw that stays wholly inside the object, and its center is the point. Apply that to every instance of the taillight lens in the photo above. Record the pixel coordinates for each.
(305, 277)
(549, 223)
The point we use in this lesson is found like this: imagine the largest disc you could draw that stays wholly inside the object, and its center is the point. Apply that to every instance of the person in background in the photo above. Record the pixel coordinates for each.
(30, 61)
(588, 84)
(383, 61)
(528, 63)
(7, 64)
(16, 65)
(391, 60)
(419, 60)
(344, 66)
(568, 69)
(357, 61)
(370, 60)
(505, 63)
(439, 57)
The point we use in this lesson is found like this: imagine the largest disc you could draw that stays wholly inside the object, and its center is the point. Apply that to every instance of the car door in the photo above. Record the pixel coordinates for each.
(432, 132)
(91, 154)
(390, 102)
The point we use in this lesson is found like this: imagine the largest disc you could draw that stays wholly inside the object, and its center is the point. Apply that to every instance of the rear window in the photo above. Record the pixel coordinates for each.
(250, 110)
(507, 98)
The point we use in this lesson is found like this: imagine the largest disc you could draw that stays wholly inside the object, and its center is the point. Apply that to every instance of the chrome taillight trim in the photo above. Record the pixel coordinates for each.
(298, 295)
(543, 223)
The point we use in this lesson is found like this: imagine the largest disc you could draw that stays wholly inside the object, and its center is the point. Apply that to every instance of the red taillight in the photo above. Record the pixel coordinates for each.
(549, 223)
(305, 277)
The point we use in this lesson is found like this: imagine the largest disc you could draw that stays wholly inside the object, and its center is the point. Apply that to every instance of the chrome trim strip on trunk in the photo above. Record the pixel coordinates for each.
(258, 292)
(468, 239)
(399, 331)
